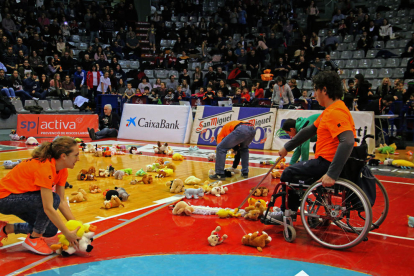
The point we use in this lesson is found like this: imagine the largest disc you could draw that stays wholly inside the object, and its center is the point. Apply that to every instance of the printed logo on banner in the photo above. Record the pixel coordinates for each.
(209, 127)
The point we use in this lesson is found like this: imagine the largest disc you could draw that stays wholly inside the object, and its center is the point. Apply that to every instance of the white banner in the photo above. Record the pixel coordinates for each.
(364, 124)
(209, 121)
(165, 123)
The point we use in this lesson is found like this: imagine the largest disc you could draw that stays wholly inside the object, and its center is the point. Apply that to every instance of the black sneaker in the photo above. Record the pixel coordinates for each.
(245, 175)
(92, 133)
(217, 177)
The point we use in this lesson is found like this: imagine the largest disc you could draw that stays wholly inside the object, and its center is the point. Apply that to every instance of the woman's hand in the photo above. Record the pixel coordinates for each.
(72, 237)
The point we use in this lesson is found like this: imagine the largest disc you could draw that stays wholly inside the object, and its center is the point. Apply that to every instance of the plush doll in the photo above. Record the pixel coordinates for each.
(258, 205)
(92, 170)
(90, 177)
(67, 185)
(78, 140)
(133, 182)
(15, 137)
(410, 221)
(81, 176)
(192, 180)
(211, 157)
(8, 164)
(107, 194)
(127, 171)
(153, 168)
(260, 191)
(140, 172)
(170, 151)
(90, 148)
(182, 208)
(107, 154)
(32, 141)
(115, 202)
(177, 157)
(161, 148)
(194, 193)
(123, 195)
(225, 213)
(164, 173)
(160, 161)
(267, 76)
(193, 148)
(257, 240)
(79, 196)
(276, 174)
(252, 215)
(111, 170)
(175, 186)
(94, 189)
(374, 162)
(146, 179)
(103, 173)
(207, 187)
(387, 149)
(132, 148)
(119, 174)
(170, 166)
(98, 153)
(215, 238)
(402, 164)
(218, 190)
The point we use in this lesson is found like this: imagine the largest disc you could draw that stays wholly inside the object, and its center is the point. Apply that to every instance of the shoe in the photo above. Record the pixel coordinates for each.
(91, 132)
(217, 177)
(2, 234)
(37, 245)
(245, 175)
(36, 99)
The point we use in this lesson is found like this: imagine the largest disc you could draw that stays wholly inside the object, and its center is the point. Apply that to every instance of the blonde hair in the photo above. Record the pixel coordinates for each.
(49, 150)
(384, 79)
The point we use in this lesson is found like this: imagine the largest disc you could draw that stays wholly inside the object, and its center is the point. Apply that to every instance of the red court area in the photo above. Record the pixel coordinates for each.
(155, 231)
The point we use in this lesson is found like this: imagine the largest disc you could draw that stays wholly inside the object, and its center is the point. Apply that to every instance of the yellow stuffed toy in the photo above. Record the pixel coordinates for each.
(403, 163)
(192, 180)
(224, 213)
(177, 157)
(266, 76)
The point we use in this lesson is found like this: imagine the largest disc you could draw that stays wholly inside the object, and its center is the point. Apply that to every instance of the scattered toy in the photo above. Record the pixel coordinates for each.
(215, 238)
(182, 208)
(123, 195)
(257, 240)
(115, 202)
(8, 164)
(79, 196)
(192, 180)
(194, 193)
(175, 186)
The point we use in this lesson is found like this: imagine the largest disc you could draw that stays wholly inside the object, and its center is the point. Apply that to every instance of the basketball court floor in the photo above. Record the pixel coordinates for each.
(145, 238)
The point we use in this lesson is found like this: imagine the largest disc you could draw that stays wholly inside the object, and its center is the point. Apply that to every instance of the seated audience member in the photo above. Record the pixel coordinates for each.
(209, 95)
(245, 95)
(108, 125)
(129, 92)
(144, 84)
(199, 93)
(153, 97)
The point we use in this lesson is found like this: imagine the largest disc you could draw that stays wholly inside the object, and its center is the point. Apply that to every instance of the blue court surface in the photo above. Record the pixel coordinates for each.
(199, 264)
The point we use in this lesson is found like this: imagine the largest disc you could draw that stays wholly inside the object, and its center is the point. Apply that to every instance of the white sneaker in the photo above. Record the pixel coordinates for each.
(36, 99)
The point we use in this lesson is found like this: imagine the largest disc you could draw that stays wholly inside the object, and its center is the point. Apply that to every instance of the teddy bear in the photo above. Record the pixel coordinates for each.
(170, 151)
(194, 193)
(211, 157)
(164, 173)
(276, 174)
(32, 141)
(257, 240)
(8, 164)
(267, 76)
(160, 149)
(215, 238)
(146, 179)
(175, 186)
(177, 157)
(252, 215)
(94, 189)
(140, 172)
(122, 194)
(207, 186)
(153, 167)
(192, 180)
(103, 173)
(113, 203)
(119, 174)
(182, 208)
(98, 153)
(90, 148)
(225, 213)
(260, 191)
(160, 160)
(133, 182)
(107, 194)
(92, 170)
(257, 205)
(15, 137)
(79, 196)
(218, 190)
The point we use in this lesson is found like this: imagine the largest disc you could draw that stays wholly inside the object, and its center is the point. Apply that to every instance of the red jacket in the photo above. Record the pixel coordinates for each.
(246, 96)
(89, 79)
(259, 94)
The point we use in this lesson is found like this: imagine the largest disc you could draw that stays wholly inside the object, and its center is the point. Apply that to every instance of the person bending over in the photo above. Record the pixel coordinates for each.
(27, 192)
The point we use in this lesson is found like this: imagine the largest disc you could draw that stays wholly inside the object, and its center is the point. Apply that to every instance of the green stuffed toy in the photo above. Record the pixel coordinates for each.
(141, 172)
(127, 171)
(387, 149)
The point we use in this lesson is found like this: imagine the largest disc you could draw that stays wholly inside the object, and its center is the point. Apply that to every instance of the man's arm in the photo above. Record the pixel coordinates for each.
(305, 134)
(304, 150)
(296, 155)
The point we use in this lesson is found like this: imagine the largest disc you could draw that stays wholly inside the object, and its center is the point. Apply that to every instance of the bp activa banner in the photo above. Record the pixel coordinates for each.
(364, 124)
(51, 125)
(165, 123)
(209, 121)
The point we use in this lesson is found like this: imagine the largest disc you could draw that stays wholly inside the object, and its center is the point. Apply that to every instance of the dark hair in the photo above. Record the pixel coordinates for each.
(389, 98)
(49, 150)
(360, 79)
(332, 82)
(350, 81)
(288, 124)
(280, 79)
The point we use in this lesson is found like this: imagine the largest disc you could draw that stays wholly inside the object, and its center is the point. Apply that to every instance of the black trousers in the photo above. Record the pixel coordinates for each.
(311, 168)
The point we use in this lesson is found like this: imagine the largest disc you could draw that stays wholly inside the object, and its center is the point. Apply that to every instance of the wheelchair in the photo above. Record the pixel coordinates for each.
(337, 217)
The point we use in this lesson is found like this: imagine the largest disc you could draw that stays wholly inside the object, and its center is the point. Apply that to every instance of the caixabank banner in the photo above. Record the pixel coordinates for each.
(364, 124)
(52, 125)
(209, 121)
(165, 123)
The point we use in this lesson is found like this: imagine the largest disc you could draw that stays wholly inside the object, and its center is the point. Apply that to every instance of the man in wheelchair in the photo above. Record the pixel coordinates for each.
(336, 134)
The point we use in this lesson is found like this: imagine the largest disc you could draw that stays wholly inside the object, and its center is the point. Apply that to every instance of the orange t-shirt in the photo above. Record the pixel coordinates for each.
(30, 176)
(227, 129)
(333, 121)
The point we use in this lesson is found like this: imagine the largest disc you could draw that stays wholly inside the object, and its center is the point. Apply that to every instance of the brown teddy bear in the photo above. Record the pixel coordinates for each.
(92, 170)
(113, 203)
(182, 208)
(257, 240)
(258, 205)
(215, 238)
(146, 179)
(94, 189)
(175, 186)
(261, 191)
(252, 215)
(276, 174)
(78, 196)
(133, 182)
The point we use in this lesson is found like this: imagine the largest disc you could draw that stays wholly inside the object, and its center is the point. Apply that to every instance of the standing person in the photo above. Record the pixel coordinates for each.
(26, 192)
(336, 133)
(312, 12)
(107, 28)
(92, 81)
(105, 84)
(108, 125)
(282, 94)
(362, 91)
(292, 127)
(232, 134)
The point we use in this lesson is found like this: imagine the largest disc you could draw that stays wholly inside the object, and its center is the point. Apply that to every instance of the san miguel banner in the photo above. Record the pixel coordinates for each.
(52, 125)
(364, 124)
(209, 121)
(165, 123)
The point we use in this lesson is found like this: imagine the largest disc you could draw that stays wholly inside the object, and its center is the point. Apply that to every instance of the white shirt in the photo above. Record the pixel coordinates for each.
(106, 82)
(95, 78)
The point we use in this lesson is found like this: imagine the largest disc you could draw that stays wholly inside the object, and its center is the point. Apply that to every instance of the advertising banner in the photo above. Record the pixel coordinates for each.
(209, 121)
(165, 123)
(51, 125)
(364, 124)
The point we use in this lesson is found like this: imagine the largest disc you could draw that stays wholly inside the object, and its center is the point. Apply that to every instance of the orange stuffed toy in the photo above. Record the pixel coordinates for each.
(266, 76)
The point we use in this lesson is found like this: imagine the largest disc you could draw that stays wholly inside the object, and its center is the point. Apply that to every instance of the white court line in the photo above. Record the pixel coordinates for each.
(405, 183)
(392, 236)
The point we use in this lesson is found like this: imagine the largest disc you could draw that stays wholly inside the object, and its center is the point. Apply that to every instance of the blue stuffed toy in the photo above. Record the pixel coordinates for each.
(8, 164)
(194, 193)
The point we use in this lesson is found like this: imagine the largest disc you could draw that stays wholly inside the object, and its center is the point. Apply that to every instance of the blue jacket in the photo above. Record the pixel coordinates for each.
(78, 76)
(17, 48)
(29, 85)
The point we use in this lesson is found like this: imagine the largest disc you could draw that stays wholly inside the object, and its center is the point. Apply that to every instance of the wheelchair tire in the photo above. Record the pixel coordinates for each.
(339, 204)
(291, 235)
(381, 205)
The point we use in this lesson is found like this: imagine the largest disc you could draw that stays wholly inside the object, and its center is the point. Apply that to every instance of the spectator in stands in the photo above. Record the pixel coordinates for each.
(60, 45)
(282, 94)
(19, 46)
(302, 67)
(4, 45)
(20, 58)
(362, 91)
(52, 68)
(315, 67)
(153, 97)
(273, 44)
(162, 90)
(184, 76)
(210, 76)
(17, 84)
(294, 87)
(223, 87)
(385, 88)
(197, 79)
(31, 86)
(26, 69)
(313, 12)
(378, 20)
(108, 125)
(87, 63)
(385, 31)
(157, 84)
(37, 63)
(409, 73)
(102, 62)
(120, 75)
(98, 53)
(281, 69)
(9, 27)
(336, 19)
(288, 31)
(330, 43)
(329, 64)
(186, 88)
(242, 60)
(44, 84)
(400, 94)
(245, 95)
(342, 28)
(146, 91)
(9, 59)
(229, 60)
(258, 91)
(95, 26)
(56, 88)
(104, 84)
(6, 86)
(132, 45)
(69, 88)
(170, 95)
(67, 63)
(173, 83)
(161, 61)
(108, 27)
(129, 92)
(144, 84)
(79, 77)
(380, 107)
(253, 63)
(364, 43)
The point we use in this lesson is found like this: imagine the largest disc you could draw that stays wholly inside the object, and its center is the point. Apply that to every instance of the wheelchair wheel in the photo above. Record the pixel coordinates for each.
(340, 205)
(381, 205)
(290, 236)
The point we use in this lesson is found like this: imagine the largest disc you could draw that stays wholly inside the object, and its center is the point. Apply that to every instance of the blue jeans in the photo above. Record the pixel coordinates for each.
(242, 135)
(9, 92)
(106, 132)
(29, 208)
